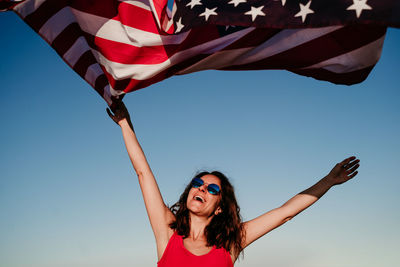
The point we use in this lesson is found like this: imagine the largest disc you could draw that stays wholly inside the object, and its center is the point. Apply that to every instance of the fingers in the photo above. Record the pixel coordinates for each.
(346, 161)
(350, 166)
(109, 113)
(353, 174)
(112, 116)
(353, 169)
(115, 105)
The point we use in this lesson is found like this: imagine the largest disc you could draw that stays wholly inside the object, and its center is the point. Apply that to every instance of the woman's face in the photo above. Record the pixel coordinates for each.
(200, 201)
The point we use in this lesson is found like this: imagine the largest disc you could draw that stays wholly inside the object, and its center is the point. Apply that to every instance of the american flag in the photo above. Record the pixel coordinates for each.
(120, 46)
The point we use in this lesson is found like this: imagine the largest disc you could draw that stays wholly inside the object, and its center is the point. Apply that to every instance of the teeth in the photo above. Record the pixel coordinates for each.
(199, 198)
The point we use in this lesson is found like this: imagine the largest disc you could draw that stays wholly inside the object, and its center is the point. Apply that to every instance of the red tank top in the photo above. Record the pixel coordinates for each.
(176, 255)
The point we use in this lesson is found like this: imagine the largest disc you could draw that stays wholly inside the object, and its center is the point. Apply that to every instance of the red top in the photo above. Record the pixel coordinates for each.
(176, 255)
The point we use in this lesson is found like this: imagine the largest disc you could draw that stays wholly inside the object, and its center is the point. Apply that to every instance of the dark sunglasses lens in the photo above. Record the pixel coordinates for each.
(213, 189)
(197, 182)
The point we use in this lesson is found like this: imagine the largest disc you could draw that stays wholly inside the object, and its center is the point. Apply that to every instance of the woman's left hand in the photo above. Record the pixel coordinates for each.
(344, 171)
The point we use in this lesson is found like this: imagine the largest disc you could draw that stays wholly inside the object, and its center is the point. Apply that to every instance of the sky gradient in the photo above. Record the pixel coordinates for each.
(69, 196)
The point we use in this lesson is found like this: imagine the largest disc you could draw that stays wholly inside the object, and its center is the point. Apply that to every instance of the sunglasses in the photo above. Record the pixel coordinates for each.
(213, 189)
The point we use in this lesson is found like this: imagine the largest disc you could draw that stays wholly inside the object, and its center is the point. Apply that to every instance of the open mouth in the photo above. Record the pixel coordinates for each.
(199, 198)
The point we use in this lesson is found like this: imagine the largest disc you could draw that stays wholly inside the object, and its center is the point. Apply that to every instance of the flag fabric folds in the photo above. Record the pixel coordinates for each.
(121, 46)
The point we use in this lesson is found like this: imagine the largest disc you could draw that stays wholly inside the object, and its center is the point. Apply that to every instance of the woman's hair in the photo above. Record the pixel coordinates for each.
(225, 229)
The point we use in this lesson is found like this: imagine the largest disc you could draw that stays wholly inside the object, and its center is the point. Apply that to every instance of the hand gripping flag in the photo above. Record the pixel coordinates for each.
(121, 46)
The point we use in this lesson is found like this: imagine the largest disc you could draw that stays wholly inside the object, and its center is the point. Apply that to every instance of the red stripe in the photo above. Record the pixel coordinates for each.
(46, 10)
(348, 78)
(66, 38)
(5, 6)
(127, 14)
(253, 38)
(83, 63)
(129, 85)
(100, 83)
(129, 54)
(197, 36)
(103, 8)
(159, 6)
(137, 18)
(320, 49)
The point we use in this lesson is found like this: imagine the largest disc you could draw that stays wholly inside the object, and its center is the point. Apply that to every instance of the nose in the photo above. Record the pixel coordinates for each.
(202, 187)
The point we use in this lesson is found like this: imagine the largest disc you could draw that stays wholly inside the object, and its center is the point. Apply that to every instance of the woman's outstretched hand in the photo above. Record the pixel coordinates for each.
(121, 113)
(344, 171)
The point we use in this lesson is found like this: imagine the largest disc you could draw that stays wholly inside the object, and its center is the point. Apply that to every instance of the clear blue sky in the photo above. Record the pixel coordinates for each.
(69, 196)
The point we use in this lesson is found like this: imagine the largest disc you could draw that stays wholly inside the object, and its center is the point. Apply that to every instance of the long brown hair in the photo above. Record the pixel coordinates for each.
(225, 229)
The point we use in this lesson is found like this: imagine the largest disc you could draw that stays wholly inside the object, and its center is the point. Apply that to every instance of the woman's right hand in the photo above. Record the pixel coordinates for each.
(120, 113)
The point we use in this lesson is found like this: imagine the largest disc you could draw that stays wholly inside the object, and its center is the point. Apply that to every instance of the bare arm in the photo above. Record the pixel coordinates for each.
(263, 224)
(159, 215)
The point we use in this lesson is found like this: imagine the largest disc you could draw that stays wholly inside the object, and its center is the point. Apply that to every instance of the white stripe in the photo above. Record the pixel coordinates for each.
(155, 13)
(115, 31)
(76, 51)
(358, 59)
(282, 41)
(107, 94)
(142, 4)
(111, 92)
(92, 73)
(218, 60)
(56, 24)
(142, 72)
(28, 7)
(115, 93)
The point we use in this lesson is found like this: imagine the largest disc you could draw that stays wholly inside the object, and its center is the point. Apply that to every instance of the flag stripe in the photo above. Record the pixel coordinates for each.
(44, 12)
(92, 73)
(27, 7)
(129, 85)
(336, 43)
(107, 9)
(127, 54)
(254, 38)
(122, 12)
(83, 63)
(356, 59)
(348, 78)
(282, 41)
(66, 38)
(100, 83)
(142, 20)
(56, 24)
(116, 31)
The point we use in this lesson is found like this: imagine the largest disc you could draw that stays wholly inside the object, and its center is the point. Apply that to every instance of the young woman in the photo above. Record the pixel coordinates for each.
(204, 228)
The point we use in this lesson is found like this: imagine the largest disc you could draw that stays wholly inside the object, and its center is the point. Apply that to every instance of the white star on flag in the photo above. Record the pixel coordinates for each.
(179, 25)
(304, 11)
(208, 13)
(254, 12)
(283, 2)
(237, 2)
(358, 6)
(194, 3)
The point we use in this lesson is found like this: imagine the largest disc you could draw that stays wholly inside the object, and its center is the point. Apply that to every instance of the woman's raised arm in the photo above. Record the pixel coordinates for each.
(261, 225)
(159, 214)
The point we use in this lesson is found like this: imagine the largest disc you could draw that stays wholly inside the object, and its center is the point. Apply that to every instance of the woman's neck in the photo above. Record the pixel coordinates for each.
(197, 226)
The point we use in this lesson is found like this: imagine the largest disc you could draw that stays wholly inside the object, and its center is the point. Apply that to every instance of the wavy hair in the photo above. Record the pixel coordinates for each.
(225, 229)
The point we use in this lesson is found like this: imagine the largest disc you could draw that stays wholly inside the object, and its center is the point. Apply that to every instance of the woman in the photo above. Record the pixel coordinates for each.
(205, 226)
